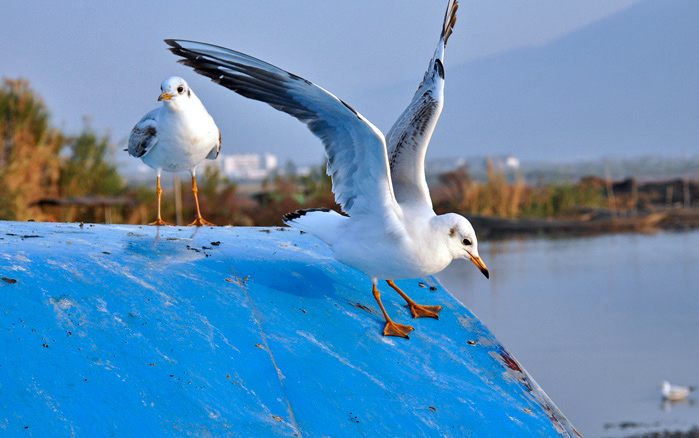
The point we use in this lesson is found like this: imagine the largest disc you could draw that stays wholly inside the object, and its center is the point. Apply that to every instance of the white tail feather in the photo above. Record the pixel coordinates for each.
(321, 222)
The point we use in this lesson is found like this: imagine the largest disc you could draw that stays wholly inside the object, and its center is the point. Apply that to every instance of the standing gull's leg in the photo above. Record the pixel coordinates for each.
(391, 328)
(199, 221)
(418, 310)
(159, 192)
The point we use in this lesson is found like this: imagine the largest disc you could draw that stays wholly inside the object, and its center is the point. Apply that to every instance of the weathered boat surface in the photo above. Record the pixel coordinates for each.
(110, 330)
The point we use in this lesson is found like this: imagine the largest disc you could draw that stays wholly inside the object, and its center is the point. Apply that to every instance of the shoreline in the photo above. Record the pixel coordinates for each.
(588, 223)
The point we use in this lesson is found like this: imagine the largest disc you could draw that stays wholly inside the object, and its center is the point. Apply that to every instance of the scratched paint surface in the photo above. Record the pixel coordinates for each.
(112, 330)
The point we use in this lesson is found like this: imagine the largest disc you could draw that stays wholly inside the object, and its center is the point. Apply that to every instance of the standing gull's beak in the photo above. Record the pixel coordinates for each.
(164, 96)
(479, 263)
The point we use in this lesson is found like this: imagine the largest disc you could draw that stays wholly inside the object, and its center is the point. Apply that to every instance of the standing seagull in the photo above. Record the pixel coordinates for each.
(176, 137)
(392, 232)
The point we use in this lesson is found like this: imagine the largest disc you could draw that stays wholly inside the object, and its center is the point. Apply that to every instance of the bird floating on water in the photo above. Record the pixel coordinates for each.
(176, 137)
(391, 231)
(675, 392)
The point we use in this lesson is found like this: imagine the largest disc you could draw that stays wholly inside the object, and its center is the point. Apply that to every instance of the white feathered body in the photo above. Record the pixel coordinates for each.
(185, 138)
(405, 250)
(186, 135)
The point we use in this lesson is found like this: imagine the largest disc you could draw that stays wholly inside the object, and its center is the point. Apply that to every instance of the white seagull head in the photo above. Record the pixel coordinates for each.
(461, 239)
(174, 91)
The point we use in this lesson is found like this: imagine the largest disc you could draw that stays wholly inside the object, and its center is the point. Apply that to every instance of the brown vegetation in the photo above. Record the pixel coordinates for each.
(458, 192)
(29, 165)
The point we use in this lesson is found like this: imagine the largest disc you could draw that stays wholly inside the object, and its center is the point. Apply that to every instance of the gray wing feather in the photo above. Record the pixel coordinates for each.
(409, 137)
(144, 135)
(356, 151)
(216, 149)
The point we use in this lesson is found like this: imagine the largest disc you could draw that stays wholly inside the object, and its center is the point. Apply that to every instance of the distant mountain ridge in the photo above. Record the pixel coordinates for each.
(626, 85)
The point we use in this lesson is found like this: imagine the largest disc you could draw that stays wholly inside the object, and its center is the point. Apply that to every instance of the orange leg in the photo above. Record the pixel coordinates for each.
(199, 221)
(159, 192)
(418, 311)
(391, 328)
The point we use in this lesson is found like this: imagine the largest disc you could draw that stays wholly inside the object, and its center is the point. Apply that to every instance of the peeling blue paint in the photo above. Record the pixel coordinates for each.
(173, 331)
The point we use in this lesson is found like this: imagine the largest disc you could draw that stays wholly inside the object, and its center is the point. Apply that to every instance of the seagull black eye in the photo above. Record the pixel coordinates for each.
(180, 89)
(466, 242)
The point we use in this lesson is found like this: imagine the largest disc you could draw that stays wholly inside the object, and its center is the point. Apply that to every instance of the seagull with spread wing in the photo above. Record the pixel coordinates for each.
(391, 231)
(176, 137)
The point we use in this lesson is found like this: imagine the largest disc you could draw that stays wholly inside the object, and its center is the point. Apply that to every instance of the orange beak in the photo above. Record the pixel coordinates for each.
(480, 265)
(164, 96)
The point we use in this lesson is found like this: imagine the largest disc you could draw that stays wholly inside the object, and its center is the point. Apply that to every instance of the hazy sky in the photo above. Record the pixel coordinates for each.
(105, 60)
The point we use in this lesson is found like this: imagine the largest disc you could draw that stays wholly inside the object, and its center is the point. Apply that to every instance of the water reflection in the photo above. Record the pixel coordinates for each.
(597, 321)
(667, 405)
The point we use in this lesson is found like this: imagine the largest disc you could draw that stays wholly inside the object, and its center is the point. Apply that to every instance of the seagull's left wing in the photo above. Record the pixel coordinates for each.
(213, 154)
(409, 137)
(356, 151)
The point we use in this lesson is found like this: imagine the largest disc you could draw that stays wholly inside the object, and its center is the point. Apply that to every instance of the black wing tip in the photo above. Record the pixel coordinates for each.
(298, 213)
(175, 46)
(449, 20)
(175, 42)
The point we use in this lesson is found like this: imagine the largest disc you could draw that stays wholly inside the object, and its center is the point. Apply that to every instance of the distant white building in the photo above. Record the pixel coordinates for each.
(248, 166)
(512, 162)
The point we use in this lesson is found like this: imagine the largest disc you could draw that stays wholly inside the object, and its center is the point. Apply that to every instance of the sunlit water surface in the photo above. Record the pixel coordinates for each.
(598, 322)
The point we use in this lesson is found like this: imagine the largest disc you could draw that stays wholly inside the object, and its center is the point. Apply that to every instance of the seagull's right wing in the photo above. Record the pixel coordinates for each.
(356, 151)
(144, 135)
(410, 135)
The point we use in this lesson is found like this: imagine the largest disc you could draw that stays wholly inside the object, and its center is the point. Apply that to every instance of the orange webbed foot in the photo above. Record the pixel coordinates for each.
(420, 311)
(399, 330)
(159, 222)
(200, 222)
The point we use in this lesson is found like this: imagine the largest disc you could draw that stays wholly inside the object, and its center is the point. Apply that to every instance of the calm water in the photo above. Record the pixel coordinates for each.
(598, 322)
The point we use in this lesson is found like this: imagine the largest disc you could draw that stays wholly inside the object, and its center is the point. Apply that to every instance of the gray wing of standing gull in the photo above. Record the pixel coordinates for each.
(409, 137)
(144, 135)
(356, 150)
(216, 149)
